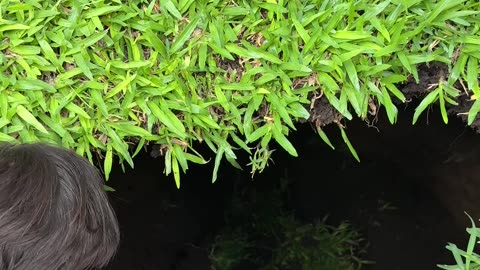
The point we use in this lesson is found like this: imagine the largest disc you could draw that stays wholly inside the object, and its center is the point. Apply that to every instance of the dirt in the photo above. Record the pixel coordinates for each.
(406, 196)
(429, 76)
(322, 113)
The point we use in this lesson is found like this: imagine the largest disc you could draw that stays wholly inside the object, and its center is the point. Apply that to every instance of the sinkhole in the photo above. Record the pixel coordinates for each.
(407, 196)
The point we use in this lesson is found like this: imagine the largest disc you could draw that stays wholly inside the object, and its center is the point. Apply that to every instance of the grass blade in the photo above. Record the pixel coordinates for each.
(184, 36)
(349, 145)
(427, 101)
(29, 118)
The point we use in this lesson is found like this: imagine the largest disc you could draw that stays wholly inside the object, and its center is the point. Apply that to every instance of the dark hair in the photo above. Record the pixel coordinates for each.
(54, 212)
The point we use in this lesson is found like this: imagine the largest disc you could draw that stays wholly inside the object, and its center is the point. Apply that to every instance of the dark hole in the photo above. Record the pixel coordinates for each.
(398, 196)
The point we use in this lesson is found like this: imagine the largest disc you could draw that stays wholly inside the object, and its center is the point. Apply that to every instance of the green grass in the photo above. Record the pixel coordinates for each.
(317, 246)
(297, 246)
(261, 234)
(108, 77)
(465, 259)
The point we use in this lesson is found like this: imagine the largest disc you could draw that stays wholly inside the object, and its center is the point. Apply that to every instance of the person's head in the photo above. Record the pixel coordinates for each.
(54, 213)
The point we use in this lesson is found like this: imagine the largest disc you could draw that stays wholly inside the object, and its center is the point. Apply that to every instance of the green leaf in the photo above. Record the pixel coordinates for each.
(295, 67)
(325, 138)
(29, 118)
(405, 62)
(108, 189)
(179, 155)
(350, 54)
(284, 142)
(15, 26)
(25, 84)
(155, 42)
(130, 65)
(53, 125)
(83, 65)
(49, 53)
(380, 26)
(372, 12)
(352, 74)
(202, 55)
(166, 117)
(184, 36)
(443, 110)
(107, 162)
(350, 35)
(473, 231)
(77, 110)
(347, 142)
(222, 99)
(258, 133)
(265, 79)
(280, 107)
(237, 86)
(300, 30)
(252, 53)
(170, 6)
(168, 162)
(299, 110)
(99, 102)
(313, 40)
(218, 159)
(139, 147)
(176, 171)
(472, 113)
(208, 120)
(131, 129)
(240, 142)
(387, 50)
(458, 68)
(472, 73)
(266, 140)
(394, 90)
(120, 146)
(389, 106)
(223, 52)
(96, 12)
(26, 50)
(121, 86)
(352, 96)
(378, 69)
(428, 100)
(333, 100)
(328, 81)
(195, 159)
(87, 42)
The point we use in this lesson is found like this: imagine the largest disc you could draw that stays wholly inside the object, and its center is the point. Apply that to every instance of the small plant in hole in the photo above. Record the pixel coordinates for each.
(231, 247)
(316, 246)
(262, 234)
(465, 259)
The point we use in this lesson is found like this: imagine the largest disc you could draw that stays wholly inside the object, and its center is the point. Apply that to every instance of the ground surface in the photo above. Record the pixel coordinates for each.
(395, 196)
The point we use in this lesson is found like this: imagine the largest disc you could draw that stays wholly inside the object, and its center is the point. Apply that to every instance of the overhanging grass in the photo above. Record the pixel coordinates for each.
(109, 77)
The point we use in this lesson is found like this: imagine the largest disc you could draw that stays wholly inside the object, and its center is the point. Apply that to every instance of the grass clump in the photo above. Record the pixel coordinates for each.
(108, 77)
(316, 246)
(465, 259)
(290, 245)
(260, 234)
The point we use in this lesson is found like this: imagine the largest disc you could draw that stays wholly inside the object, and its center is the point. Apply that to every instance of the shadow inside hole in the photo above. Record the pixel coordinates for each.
(392, 195)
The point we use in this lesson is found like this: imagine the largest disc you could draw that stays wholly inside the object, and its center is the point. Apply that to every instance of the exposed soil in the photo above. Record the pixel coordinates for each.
(407, 195)
(322, 113)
